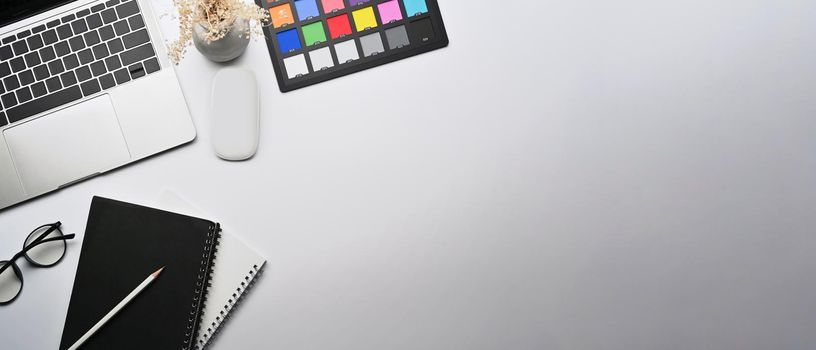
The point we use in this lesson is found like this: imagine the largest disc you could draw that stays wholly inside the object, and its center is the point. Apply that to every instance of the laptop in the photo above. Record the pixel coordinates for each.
(85, 87)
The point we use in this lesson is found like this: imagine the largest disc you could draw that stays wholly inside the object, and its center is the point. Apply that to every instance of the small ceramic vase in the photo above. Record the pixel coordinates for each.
(227, 48)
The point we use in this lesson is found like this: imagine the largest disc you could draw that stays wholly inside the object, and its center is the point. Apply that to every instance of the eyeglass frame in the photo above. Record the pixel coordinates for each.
(36, 242)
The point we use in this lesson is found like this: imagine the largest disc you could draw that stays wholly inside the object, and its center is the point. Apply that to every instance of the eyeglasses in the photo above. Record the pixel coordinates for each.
(44, 247)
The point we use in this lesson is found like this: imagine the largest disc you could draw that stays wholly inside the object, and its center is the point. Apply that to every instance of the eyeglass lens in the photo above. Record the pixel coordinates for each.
(10, 283)
(48, 253)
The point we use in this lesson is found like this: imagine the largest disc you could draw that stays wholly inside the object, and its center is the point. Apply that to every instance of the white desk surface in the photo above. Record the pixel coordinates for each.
(582, 174)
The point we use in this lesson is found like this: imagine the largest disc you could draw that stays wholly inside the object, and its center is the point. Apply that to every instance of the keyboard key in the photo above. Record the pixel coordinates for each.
(83, 73)
(76, 43)
(68, 18)
(17, 64)
(50, 37)
(23, 34)
(85, 56)
(38, 28)
(6, 53)
(55, 67)
(26, 77)
(109, 16)
(111, 3)
(151, 65)
(107, 81)
(53, 84)
(127, 9)
(136, 71)
(32, 59)
(98, 68)
(68, 78)
(20, 47)
(41, 72)
(137, 54)
(11, 83)
(83, 13)
(35, 42)
(98, 8)
(122, 76)
(90, 87)
(4, 69)
(24, 95)
(115, 45)
(3, 119)
(113, 63)
(47, 53)
(64, 31)
(100, 51)
(79, 26)
(53, 23)
(71, 61)
(106, 33)
(62, 48)
(2, 91)
(94, 21)
(121, 27)
(9, 100)
(38, 89)
(91, 38)
(135, 39)
(9, 39)
(43, 104)
(136, 22)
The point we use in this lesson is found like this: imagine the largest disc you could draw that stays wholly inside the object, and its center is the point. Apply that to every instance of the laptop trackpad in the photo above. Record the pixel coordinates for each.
(67, 145)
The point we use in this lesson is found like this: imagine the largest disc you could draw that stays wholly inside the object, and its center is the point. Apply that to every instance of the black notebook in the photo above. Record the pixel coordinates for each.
(123, 244)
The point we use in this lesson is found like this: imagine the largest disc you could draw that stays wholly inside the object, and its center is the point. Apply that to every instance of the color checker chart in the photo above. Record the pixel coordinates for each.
(311, 41)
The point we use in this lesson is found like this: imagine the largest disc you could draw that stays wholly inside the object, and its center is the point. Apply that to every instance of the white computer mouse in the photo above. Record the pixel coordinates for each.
(235, 114)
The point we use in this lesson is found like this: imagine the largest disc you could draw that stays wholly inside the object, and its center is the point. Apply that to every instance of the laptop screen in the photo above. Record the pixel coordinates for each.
(14, 10)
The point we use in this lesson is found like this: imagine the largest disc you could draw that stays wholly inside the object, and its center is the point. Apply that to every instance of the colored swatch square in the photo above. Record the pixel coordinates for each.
(321, 59)
(306, 9)
(364, 19)
(296, 66)
(357, 2)
(397, 37)
(346, 51)
(288, 41)
(281, 15)
(339, 26)
(390, 11)
(314, 33)
(415, 7)
(372, 44)
(332, 5)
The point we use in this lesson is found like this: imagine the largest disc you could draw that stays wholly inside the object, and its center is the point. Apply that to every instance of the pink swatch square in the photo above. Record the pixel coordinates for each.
(332, 5)
(390, 11)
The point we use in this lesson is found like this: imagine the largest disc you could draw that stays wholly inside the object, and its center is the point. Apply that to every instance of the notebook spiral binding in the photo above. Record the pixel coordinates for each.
(212, 329)
(200, 292)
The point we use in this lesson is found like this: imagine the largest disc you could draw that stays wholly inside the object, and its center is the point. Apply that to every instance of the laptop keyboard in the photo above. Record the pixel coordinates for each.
(63, 60)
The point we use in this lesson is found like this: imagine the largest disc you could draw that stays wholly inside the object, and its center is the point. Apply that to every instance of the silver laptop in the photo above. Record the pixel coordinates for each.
(85, 87)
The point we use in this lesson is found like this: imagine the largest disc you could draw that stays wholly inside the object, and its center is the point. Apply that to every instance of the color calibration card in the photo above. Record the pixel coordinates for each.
(311, 41)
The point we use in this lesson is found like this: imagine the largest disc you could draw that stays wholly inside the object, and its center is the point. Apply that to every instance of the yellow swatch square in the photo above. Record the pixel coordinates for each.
(364, 18)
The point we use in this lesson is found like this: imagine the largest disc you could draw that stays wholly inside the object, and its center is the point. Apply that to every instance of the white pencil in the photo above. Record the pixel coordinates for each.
(116, 309)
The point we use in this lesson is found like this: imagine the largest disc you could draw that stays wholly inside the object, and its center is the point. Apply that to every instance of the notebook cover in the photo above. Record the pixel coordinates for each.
(123, 244)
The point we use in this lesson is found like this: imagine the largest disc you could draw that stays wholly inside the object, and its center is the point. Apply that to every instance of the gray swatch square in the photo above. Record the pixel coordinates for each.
(372, 44)
(397, 37)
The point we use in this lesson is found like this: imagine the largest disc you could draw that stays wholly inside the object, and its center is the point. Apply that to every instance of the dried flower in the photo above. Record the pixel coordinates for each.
(217, 18)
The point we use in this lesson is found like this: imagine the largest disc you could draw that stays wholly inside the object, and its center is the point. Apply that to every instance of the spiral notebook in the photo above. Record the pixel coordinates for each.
(122, 244)
(236, 268)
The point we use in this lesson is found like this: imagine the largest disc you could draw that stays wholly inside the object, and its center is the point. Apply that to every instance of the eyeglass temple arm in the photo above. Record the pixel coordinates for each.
(31, 246)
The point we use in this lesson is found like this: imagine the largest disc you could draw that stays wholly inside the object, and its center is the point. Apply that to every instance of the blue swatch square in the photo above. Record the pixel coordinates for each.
(414, 7)
(306, 9)
(289, 41)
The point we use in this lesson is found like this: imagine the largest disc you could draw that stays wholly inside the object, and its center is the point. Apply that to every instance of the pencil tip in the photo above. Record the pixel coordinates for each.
(156, 274)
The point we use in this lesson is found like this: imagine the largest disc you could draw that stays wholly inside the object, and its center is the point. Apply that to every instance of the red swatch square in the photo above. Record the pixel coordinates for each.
(339, 26)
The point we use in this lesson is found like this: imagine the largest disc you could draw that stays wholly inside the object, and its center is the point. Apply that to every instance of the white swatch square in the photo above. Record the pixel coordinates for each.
(321, 58)
(296, 66)
(346, 51)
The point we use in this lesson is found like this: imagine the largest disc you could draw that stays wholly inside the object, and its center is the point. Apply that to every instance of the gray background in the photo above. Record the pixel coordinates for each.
(584, 174)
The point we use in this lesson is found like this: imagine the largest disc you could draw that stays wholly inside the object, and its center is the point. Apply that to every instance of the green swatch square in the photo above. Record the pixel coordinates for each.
(314, 33)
